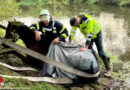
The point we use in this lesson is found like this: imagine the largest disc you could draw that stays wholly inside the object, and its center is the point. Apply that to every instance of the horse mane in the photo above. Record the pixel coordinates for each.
(22, 30)
(26, 34)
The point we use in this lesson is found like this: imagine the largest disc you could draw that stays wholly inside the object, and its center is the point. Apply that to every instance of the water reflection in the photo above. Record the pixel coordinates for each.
(115, 23)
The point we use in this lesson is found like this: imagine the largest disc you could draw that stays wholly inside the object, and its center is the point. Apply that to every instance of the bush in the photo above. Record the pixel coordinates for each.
(8, 9)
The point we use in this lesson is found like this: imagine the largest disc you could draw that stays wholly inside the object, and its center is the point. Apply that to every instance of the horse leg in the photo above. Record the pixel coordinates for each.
(22, 57)
(26, 59)
(34, 62)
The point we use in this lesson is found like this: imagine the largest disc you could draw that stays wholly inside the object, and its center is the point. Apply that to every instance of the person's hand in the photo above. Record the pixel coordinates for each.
(83, 48)
(69, 42)
(37, 35)
(56, 40)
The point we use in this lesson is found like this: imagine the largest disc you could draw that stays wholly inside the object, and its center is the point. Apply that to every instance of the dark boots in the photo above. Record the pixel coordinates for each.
(107, 66)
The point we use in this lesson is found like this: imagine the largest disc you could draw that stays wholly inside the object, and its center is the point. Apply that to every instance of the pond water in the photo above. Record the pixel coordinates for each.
(115, 23)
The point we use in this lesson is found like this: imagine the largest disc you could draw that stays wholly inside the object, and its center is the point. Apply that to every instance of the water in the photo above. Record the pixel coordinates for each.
(115, 23)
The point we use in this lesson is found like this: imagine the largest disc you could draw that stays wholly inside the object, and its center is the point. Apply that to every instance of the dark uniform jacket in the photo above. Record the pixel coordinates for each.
(53, 30)
(49, 33)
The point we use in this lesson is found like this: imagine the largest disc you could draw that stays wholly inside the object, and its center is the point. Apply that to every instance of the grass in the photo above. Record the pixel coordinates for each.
(2, 32)
(22, 83)
(119, 68)
(25, 84)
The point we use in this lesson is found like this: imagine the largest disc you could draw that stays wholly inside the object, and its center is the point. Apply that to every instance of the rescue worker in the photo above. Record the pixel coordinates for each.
(92, 31)
(49, 30)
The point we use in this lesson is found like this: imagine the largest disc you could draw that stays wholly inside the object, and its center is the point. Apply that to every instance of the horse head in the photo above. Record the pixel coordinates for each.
(17, 30)
(11, 31)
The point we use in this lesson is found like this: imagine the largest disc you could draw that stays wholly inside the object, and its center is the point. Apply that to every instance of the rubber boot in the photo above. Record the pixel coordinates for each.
(95, 55)
(107, 66)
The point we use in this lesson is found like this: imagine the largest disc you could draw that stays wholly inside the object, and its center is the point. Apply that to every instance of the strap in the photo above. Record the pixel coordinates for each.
(47, 59)
(53, 23)
(39, 79)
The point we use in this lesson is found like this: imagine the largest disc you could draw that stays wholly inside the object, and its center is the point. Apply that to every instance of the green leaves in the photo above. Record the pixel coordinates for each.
(9, 9)
(124, 3)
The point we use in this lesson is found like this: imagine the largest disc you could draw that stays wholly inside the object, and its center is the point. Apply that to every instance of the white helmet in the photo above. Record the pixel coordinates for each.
(45, 15)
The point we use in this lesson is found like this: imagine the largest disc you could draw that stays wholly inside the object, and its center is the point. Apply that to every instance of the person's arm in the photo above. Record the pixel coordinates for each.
(35, 28)
(89, 35)
(72, 33)
(62, 31)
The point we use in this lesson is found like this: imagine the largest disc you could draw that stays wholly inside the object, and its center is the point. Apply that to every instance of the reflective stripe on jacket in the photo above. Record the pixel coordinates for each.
(54, 26)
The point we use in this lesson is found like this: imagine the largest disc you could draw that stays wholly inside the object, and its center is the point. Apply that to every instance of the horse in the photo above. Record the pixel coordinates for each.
(16, 28)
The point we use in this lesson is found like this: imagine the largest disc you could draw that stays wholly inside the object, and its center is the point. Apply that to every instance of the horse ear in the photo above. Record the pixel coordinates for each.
(14, 19)
(9, 22)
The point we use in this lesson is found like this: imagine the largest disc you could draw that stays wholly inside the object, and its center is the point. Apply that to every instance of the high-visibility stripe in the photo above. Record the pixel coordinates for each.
(53, 23)
(37, 24)
(54, 31)
(91, 35)
(32, 27)
(72, 37)
(74, 27)
(54, 28)
(96, 30)
(72, 34)
(48, 29)
(89, 39)
(74, 30)
(86, 21)
(43, 30)
(62, 29)
(94, 27)
(64, 35)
